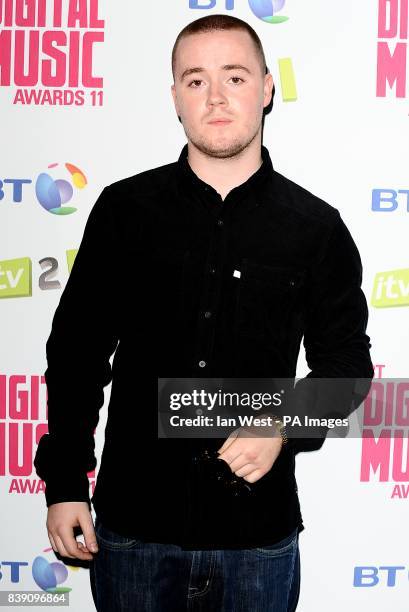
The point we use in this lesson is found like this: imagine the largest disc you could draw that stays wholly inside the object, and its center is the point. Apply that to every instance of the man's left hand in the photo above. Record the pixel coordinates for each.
(248, 455)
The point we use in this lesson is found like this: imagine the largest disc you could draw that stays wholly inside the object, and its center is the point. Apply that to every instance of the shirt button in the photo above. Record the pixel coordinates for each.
(202, 364)
(220, 222)
(207, 314)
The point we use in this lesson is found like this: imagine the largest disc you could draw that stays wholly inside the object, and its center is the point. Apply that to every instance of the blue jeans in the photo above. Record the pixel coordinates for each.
(128, 575)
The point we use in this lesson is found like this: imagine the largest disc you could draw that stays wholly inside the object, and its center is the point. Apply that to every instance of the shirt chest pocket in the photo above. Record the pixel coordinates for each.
(269, 300)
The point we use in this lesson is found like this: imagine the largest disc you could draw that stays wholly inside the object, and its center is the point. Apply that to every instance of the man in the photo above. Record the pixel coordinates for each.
(213, 266)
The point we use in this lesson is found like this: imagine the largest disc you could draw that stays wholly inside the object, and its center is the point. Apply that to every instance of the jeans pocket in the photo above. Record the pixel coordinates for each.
(279, 548)
(112, 540)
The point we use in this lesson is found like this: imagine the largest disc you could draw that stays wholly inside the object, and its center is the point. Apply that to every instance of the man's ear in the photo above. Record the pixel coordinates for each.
(269, 89)
(173, 91)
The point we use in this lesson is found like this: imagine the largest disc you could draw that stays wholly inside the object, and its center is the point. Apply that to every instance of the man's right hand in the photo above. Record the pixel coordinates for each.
(62, 518)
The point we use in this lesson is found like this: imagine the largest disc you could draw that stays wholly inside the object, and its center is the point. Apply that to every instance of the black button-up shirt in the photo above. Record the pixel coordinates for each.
(177, 282)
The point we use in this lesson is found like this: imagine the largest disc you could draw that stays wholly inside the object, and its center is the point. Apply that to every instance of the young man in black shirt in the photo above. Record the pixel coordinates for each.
(221, 266)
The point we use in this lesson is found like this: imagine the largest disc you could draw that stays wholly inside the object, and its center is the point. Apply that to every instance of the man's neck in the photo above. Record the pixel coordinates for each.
(223, 174)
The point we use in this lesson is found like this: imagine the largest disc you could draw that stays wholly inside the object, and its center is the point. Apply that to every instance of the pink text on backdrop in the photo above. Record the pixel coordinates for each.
(51, 48)
(392, 48)
(385, 435)
(23, 420)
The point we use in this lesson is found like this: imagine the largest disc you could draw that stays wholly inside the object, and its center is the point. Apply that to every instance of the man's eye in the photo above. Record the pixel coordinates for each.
(240, 79)
(194, 81)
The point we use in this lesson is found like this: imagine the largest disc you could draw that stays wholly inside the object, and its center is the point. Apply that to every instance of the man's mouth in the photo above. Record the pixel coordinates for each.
(220, 122)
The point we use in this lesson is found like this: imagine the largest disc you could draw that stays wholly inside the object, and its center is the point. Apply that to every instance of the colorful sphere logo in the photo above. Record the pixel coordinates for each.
(47, 575)
(52, 193)
(267, 9)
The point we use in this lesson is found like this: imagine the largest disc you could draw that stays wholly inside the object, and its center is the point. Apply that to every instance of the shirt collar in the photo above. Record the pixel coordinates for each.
(191, 180)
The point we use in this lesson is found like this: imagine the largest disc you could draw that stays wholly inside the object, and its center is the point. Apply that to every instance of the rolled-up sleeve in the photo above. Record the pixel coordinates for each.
(335, 341)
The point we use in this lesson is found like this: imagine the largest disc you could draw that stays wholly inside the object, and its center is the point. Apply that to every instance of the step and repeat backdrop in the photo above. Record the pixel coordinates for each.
(85, 100)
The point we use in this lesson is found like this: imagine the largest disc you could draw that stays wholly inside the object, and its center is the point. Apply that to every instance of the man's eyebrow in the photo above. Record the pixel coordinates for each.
(197, 69)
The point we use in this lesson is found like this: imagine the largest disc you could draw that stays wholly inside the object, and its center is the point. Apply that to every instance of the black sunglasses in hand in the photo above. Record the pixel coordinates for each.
(220, 471)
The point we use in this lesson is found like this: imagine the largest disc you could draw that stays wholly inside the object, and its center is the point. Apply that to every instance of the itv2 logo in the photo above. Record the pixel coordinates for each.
(266, 10)
(16, 275)
(391, 288)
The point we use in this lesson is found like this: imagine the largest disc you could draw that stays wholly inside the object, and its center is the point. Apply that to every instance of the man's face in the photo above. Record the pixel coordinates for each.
(217, 90)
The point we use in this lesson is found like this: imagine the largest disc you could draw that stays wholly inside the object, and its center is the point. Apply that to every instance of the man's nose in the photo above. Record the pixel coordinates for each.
(216, 95)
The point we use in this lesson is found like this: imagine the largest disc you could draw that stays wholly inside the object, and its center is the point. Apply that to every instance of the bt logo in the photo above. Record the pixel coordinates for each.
(46, 575)
(369, 576)
(51, 190)
(49, 575)
(52, 193)
(266, 10)
(387, 200)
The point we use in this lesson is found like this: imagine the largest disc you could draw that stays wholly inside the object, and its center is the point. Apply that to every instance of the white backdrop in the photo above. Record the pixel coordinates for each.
(338, 139)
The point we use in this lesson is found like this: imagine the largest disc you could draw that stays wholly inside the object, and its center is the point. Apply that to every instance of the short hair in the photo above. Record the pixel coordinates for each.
(211, 23)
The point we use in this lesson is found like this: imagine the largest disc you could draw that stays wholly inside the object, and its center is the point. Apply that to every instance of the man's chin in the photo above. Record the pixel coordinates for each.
(220, 150)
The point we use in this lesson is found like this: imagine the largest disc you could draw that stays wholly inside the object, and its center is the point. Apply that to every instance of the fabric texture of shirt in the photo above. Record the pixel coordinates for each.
(154, 285)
